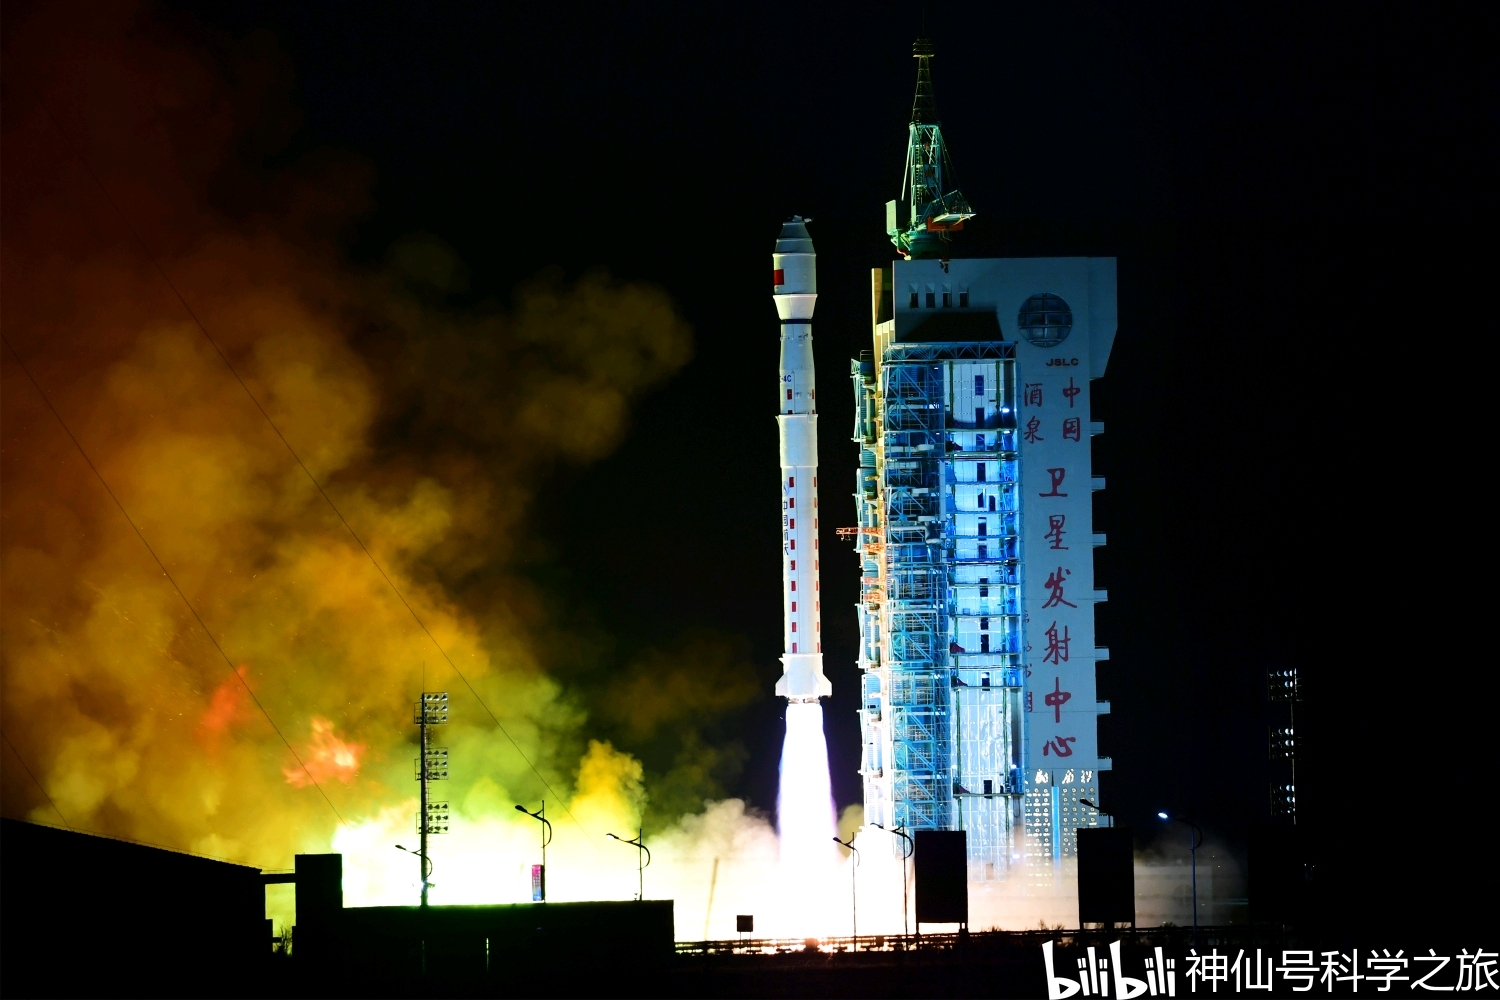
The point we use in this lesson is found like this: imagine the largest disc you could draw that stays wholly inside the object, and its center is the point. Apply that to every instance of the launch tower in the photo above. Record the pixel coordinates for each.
(975, 528)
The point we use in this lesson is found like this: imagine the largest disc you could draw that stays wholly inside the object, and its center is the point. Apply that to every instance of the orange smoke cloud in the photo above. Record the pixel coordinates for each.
(228, 706)
(429, 427)
(327, 757)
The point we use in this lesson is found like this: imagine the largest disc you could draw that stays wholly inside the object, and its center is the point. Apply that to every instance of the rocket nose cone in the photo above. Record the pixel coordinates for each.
(794, 237)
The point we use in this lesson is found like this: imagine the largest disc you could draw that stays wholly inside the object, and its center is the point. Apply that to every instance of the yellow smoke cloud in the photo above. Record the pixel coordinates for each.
(428, 426)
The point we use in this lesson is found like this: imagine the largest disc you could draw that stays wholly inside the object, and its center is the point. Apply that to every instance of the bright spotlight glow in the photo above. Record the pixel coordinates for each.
(1161, 815)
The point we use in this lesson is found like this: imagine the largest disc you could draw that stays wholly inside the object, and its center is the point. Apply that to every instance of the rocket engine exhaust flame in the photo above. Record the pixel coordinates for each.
(804, 803)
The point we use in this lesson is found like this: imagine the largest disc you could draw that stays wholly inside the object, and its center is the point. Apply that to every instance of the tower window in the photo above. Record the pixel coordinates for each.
(963, 297)
(984, 624)
(983, 591)
(791, 501)
(913, 296)
(984, 527)
(979, 385)
(947, 296)
(984, 551)
(989, 783)
(931, 298)
(984, 643)
(979, 472)
(984, 682)
(992, 503)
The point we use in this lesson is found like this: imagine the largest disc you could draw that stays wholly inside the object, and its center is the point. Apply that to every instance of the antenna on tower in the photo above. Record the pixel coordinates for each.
(930, 206)
(432, 765)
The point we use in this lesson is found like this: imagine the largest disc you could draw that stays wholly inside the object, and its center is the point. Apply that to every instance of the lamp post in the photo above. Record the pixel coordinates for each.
(907, 849)
(541, 814)
(1193, 850)
(642, 858)
(853, 888)
(426, 867)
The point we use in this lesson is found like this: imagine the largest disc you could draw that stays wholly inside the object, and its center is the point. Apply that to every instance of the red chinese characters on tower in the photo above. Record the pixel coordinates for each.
(1032, 394)
(1057, 646)
(1070, 392)
(1055, 531)
(1054, 584)
(1057, 476)
(1062, 746)
(1073, 429)
(1030, 435)
(1057, 698)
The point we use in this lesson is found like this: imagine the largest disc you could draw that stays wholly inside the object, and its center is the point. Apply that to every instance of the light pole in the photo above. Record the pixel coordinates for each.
(853, 887)
(1197, 842)
(642, 858)
(907, 850)
(541, 814)
(426, 867)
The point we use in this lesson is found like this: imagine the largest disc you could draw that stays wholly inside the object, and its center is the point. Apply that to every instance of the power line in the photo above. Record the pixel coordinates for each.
(164, 571)
(306, 471)
(40, 787)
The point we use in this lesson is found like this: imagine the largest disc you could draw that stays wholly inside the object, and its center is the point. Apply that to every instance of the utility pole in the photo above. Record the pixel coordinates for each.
(1282, 685)
(432, 765)
(539, 875)
(853, 887)
(642, 858)
(907, 848)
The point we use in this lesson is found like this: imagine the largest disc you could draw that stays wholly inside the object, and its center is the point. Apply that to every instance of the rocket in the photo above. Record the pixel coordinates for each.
(795, 284)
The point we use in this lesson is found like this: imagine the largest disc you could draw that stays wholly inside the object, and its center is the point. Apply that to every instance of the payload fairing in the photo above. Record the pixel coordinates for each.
(795, 284)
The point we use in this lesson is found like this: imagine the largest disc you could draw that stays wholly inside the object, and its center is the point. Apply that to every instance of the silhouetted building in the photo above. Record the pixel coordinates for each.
(89, 915)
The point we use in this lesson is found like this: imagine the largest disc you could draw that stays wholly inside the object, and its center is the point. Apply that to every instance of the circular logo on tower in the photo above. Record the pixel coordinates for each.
(1045, 320)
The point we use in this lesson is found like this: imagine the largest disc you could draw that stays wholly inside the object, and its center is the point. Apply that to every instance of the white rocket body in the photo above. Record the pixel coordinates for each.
(795, 264)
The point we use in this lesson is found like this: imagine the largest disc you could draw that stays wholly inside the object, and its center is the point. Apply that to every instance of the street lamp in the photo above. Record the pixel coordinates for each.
(541, 814)
(426, 867)
(1197, 843)
(853, 889)
(907, 849)
(642, 858)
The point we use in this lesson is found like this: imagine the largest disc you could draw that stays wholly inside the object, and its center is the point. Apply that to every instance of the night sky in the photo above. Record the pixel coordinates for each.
(1296, 199)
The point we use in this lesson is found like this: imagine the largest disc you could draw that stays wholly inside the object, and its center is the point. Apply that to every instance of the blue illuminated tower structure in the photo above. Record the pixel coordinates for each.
(975, 536)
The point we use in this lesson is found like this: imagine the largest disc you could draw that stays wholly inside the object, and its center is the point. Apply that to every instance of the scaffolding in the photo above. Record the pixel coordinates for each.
(915, 613)
(940, 627)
